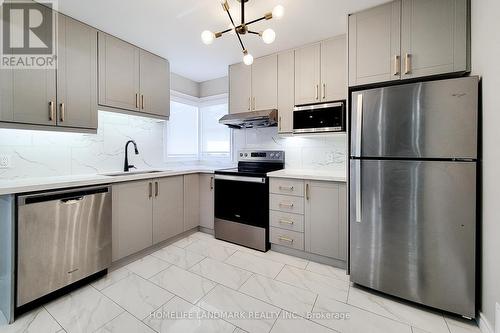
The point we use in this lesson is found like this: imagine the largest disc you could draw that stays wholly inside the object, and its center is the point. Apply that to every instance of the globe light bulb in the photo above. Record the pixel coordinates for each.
(278, 12)
(268, 36)
(248, 59)
(207, 37)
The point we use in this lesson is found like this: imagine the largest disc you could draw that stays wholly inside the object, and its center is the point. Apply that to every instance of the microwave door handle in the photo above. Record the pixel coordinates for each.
(359, 126)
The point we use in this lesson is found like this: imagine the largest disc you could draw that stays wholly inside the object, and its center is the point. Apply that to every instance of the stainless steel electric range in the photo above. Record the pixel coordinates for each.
(242, 199)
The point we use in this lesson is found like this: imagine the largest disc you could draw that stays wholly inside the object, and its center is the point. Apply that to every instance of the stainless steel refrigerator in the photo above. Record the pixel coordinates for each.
(413, 166)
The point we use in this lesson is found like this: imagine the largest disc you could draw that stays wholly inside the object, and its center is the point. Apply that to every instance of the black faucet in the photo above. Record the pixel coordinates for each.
(126, 166)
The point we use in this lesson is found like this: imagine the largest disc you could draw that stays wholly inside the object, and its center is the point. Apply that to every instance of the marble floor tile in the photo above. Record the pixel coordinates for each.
(284, 259)
(314, 282)
(290, 323)
(239, 330)
(397, 310)
(458, 325)
(202, 235)
(179, 316)
(345, 318)
(111, 278)
(84, 310)
(138, 296)
(182, 243)
(228, 275)
(248, 313)
(147, 267)
(36, 321)
(210, 249)
(178, 256)
(327, 270)
(182, 283)
(125, 323)
(255, 264)
(280, 294)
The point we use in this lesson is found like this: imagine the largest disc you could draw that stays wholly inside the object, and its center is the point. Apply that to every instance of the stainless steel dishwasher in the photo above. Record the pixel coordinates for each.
(63, 237)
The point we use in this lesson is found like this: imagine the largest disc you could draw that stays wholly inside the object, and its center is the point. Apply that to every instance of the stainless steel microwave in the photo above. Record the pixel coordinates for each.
(317, 118)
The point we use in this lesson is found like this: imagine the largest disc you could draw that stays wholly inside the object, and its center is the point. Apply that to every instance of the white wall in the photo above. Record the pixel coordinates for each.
(214, 87)
(184, 85)
(486, 62)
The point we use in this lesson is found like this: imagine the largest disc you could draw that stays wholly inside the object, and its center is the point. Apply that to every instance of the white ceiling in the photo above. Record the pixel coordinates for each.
(172, 28)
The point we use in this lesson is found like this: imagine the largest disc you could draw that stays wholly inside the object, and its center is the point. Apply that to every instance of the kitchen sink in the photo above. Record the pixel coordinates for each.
(131, 173)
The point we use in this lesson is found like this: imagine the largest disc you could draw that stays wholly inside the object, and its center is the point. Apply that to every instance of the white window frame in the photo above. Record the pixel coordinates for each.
(200, 156)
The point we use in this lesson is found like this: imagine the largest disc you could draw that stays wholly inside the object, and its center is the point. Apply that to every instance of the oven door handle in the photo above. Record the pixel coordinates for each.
(259, 180)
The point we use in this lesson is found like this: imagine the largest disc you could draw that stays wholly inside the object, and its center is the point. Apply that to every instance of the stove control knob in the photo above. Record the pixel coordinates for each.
(278, 155)
(246, 155)
(272, 155)
(241, 154)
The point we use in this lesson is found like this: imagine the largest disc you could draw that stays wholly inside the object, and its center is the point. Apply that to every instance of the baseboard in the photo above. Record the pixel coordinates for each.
(484, 324)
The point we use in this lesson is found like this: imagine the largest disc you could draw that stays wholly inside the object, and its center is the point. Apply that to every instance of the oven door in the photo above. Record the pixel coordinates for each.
(242, 199)
(328, 117)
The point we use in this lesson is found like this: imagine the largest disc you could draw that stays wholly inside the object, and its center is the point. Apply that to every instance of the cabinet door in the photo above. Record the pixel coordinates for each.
(76, 74)
(286, 91)
(374, 44)
(207, 201)
(168, 208)
(307, 74)
(265, 83)
(155, 84)
(132, 218)
(118, 73)
(240, 88)
(324, 229)
(434, 37)
(334, 69)
(191, 201)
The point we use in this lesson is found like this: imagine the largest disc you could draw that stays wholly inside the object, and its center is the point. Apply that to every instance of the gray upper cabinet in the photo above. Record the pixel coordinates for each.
(155, 84)
(76, 74)
(265, 83)
(374, 44)
(307, 74)
(240, 88)
(191, 201)
(286, 91)
(334, 69)
(168, 208)
(434, 37)
(119, 73)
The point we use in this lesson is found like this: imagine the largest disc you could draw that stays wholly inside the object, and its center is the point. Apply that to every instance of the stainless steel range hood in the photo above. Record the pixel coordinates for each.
(254, 119)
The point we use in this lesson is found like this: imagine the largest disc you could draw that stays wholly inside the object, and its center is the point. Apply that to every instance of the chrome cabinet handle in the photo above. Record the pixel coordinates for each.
(51, 110)
(254, 103)
(286, 239)
(283, 221)
(324, 90)
(142, 101)
(211, 183)
(279, 124)
(62, 110)
(286, 188)
(157, 189)
(397, 65)
(317, 92)
(307, 191)
(407, 63)
(286, 205)
(137, 100)
(249, 103)
(150, 190)
(357, 175)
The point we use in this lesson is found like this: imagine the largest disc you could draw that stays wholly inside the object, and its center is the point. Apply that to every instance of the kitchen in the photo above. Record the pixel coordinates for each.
(326, 166)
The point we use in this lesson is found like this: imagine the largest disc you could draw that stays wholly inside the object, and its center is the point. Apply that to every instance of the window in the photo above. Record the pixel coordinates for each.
(193, 131)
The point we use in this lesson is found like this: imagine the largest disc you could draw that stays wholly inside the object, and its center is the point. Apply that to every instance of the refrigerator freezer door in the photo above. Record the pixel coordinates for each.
(435, 119)
(416, 235)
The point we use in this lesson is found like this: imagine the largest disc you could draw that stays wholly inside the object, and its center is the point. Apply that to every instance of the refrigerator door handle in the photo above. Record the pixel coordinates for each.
(357, 171)
(359, 125)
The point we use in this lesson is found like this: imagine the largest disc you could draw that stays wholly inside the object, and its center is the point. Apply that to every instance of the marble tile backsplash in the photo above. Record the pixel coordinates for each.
(45, 154)
(322, 153)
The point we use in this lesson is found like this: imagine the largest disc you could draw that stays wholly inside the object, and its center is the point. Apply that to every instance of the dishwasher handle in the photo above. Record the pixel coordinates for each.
(70, 196)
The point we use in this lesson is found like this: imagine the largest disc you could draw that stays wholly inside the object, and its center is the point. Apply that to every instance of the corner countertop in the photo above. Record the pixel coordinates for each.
(25, 185)
(330, 176)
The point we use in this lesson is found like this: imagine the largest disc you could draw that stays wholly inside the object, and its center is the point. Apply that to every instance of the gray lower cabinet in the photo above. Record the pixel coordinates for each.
(155, 84)
(191, 201)
(325, 219)
(76, 74)
(119, 81)
(132, 217)
(168, 208)
(207, 201)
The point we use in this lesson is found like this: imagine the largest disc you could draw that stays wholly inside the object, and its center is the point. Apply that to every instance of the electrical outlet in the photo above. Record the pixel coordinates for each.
(497, 318)
(5, 161)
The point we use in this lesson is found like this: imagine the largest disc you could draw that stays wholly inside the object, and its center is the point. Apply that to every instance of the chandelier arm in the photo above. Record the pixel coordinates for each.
(257, 20)
(237, 34)
(253, 32)
(242, 12)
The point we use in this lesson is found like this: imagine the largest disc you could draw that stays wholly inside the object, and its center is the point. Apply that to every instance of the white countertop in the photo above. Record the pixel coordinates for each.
(24, 185)
(330, 176)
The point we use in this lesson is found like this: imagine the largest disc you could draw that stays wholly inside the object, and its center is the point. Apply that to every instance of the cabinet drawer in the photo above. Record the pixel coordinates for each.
(287, 186)
(292, 239)
(287, 203)
(293, 222)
